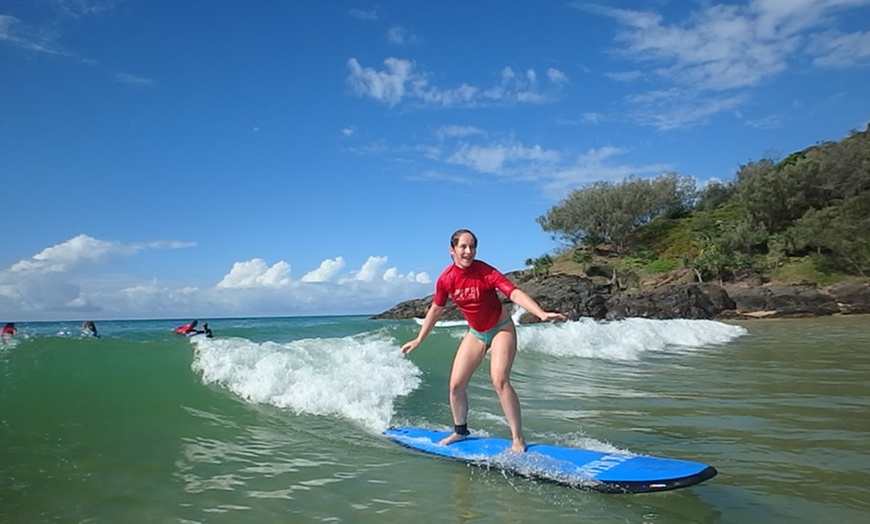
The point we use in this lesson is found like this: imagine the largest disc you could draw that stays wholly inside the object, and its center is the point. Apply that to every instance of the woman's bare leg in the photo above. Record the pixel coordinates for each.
(503, 352)
(469, 355)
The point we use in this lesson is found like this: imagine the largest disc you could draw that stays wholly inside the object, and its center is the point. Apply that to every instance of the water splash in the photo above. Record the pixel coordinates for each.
(357, 377)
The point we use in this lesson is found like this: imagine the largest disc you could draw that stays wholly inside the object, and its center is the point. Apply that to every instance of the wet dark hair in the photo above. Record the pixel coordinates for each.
(454, 239)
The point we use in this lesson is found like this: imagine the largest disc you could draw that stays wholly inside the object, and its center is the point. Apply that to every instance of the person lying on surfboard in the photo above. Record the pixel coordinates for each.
(471, 284)
(9, 330)
(188, 329)
(90, 329)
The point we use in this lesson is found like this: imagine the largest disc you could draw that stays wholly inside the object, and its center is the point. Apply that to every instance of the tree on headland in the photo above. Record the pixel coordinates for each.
(540, 265)
(842, 232)
(715, 194)
(811, 209)
(581, 256)
(606, 212)
(815, 201)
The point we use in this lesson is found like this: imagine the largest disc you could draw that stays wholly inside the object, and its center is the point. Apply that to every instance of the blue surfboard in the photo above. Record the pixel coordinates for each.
(579, 468)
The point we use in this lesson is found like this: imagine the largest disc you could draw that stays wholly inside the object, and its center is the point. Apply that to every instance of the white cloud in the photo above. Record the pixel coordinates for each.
(386, 86)
(593, 118)
(556, 76)
(720, 47)
(71, 281)
(79, 8)
(841, 50)
(624, 76)
(719, 52)
(370, 269)
(53, 280)
(256, 273)
(81, 251)
(555, 172)
(16, 33)
(457, 131)
(399, 81)
(766, 122)
(393, 274)
(525, 87)
(441, 176)
(589, 117)
(327, 271)
(682, 110)
(462, 157)
(44, 39)
(596, 165)
(369, 15)
(400, 36)
(457, 96)
(164, 244)
(134, 80)
(496, 157)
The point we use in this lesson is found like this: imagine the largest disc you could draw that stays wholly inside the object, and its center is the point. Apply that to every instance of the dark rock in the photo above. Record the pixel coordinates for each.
(415, 308)
(852, 297)
(694, 301)
(801, 300)
(599, 271)
(571, 295)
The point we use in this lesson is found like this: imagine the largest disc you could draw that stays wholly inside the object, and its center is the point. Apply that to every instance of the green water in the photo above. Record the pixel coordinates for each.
(279, 420)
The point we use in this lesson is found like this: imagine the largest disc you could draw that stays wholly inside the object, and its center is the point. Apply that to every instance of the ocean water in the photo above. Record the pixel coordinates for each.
(280, 420)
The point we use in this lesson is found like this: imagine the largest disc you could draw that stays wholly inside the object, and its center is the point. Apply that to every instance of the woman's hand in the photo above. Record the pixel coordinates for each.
(409, 346)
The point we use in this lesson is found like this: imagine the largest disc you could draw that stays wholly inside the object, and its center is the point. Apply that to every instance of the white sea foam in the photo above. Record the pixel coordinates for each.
(354, 377)
(625, 339)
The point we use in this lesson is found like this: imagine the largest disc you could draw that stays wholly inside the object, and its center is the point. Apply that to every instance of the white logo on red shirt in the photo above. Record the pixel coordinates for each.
(466, 294)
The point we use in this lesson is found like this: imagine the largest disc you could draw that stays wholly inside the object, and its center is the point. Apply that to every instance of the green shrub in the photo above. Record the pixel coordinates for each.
(662, 265)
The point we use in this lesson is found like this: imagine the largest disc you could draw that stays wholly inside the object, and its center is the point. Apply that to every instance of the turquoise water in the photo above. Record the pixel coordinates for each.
(279, 420)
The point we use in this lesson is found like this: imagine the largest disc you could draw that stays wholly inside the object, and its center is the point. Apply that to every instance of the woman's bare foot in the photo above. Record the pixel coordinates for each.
(519, 446)
(451, 438)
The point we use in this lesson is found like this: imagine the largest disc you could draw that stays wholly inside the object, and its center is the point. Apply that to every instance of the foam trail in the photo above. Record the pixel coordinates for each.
(625, 339)
(354, 377)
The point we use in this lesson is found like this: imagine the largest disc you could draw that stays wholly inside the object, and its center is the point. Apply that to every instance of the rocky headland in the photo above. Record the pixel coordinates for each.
(579, 296)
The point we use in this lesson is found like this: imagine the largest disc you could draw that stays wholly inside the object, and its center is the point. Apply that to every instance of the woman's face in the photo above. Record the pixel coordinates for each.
(464, 250)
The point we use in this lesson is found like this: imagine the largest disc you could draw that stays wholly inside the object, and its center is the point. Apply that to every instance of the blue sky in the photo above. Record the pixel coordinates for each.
(206, 159)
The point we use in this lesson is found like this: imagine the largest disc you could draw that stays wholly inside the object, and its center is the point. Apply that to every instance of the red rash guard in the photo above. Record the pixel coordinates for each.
(473, 291)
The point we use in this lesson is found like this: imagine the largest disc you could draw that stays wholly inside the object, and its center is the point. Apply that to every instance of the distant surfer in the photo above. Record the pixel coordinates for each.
(190, 330)
(9, 330)
(90, 329)
(471, 284)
